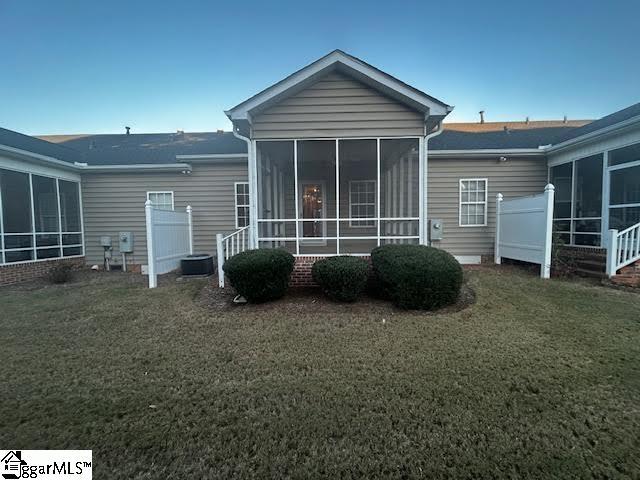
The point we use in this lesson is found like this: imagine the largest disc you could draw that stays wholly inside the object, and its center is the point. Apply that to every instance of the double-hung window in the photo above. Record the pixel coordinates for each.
(362, 203)
(473, 202)
(161, 200)
(242, 204)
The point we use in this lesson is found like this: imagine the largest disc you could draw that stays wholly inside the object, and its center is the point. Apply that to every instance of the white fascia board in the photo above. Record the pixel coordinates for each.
(214, 156)
(242, 111)
(25, 154)
(484, 153)
(166, 167)
(587, 137)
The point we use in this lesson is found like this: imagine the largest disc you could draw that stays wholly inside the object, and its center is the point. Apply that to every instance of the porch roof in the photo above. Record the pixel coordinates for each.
(338, 60)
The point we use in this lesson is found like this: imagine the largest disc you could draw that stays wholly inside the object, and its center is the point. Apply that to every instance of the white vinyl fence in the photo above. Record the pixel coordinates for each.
(169, 239)
(524, 229)
(228, 246)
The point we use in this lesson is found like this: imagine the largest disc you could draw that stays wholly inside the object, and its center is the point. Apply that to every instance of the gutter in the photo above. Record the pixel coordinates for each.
(140, 167)
(425, 192)
(38, 158)
(489, 152)
(253, 208)
(214, 156)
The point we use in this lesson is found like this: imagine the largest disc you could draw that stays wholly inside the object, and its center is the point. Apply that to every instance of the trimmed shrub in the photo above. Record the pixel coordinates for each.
(260, 275)
(60, 273)
(341, 278)
(417, 276)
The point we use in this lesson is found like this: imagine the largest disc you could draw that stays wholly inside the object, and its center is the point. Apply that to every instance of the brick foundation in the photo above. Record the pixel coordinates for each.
(628, 276)
(301, 276)
(22, 272)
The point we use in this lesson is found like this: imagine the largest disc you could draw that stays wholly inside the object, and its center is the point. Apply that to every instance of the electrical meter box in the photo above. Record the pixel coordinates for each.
(126, 242)
(105, 241)
(435, 229)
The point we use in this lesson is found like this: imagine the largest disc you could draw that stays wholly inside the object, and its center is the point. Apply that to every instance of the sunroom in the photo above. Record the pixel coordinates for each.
(337, 159)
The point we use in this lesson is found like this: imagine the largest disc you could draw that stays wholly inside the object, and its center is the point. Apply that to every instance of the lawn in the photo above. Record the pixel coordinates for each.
(536, 379)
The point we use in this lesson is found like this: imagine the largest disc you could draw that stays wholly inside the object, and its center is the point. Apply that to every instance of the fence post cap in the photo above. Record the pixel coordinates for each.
(499, 196)
(189, 209)
(147, 203)
(549, 187)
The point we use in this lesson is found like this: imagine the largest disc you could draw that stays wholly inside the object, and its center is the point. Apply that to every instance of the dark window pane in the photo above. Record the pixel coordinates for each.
(586, 226)
(562, 225)
(47, 240)
(564, 238)
(625, 155)
(18, 256)
(18, 241)
(586, 240)
(48, 253)
(588, 185)
(70, 206)
(16, 201)
(621, 218)
(71, 251)
(71, 239)
(45, 201)
(561, 179)
(625, 186)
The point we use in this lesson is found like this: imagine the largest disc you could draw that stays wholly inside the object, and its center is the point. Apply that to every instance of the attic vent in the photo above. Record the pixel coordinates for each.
(219, 131)
(127, 129)
(180, 132)
(506, 129)
(564, 120)
(481, 112)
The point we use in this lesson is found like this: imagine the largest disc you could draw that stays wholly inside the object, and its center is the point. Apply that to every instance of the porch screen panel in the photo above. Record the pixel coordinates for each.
(276, 192)
(399, 190)
(70, 218)
(317, 195)
(18, 238)
(45, 207)
(358, 194)
(624, 208)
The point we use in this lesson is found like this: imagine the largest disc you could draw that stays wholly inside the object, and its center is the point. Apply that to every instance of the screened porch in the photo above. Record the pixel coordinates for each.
(338, 196)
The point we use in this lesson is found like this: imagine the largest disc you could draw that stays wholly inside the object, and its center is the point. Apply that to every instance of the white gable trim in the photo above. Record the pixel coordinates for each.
(428, 104)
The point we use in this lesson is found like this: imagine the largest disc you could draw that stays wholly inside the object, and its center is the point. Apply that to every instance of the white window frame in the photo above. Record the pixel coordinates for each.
(372, 219)
(163, 192)
(239, 205)
(485, 202)
(34, 233)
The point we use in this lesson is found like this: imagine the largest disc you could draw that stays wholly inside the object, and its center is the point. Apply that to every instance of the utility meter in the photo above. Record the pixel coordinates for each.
(126, 242)
(105, 241)
(435, 229)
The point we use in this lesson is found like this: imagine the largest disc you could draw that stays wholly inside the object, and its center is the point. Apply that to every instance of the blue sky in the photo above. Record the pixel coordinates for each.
(96, 66)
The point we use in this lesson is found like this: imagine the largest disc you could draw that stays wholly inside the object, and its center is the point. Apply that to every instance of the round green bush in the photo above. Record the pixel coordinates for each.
(417, 276)
(260, 275)
(341, 278)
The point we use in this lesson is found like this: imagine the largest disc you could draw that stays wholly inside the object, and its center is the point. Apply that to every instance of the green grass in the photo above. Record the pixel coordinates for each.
(537, 379)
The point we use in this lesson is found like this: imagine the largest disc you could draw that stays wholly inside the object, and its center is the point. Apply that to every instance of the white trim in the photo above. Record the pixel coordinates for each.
(213, 156)
(248, 205)
(362, 71)
(162, 192)
(593, 135)
(485, 202)
(468, 259)
(365, 219)
(38, 157)
(489, 152)
(137, 167)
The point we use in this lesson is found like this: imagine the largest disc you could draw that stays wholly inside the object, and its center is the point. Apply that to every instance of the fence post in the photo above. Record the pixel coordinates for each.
(549, 193)
(151, 262)
(220, 255)
(496, 254)
(612, 253)
(189, 212)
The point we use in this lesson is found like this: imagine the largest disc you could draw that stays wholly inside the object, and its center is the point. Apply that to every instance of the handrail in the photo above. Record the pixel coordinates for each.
(623, 248)
(228, 246)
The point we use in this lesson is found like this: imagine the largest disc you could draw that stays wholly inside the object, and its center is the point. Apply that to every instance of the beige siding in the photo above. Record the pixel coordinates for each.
(337, 106)
(114, 202)
(514, 178)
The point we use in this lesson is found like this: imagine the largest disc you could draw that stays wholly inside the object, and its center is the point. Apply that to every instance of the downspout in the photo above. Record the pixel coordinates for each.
(252, 192)
(438, 131)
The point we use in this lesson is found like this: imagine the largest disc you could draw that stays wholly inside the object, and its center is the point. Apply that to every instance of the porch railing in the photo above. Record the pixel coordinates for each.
(228, 246)
(623, 248)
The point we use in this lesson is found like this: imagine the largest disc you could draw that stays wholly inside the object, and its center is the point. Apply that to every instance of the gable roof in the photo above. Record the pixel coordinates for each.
(148, 148)
(18, 142)
(350, 65)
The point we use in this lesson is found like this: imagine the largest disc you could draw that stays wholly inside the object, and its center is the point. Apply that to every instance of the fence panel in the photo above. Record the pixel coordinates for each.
(524, 229)
(169, 239)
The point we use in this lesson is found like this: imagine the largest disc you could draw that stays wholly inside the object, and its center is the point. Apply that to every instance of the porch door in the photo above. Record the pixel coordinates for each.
(312, 206)
(624, 195)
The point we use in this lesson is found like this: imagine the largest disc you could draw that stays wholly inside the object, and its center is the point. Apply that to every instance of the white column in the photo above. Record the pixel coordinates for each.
(337, 198)
(496, 254)
(378, 188)
(422, 192)
(297, 199)
(612, 252)
(253, 193)
(220, 255)
(190, 220)
(151, 262)
(545, 270)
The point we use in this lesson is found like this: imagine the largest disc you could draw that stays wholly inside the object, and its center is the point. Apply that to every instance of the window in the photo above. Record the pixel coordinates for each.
(40, 217)
(362, 202)
(473, 202)
(242, 204)
(161, 200)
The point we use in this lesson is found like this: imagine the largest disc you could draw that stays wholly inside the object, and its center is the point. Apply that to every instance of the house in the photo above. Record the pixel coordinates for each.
(337, 158)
